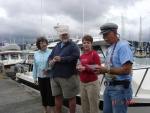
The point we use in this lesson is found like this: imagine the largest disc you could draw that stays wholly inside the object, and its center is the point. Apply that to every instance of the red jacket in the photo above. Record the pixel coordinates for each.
(89, 58)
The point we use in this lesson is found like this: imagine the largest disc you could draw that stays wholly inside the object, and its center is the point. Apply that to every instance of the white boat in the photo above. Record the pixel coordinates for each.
(140, 52)
(140, 82)
(10, 55)
(9, 59)
(10, 47)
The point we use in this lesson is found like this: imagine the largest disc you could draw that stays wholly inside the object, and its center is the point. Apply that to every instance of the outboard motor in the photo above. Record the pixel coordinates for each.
(18, 68)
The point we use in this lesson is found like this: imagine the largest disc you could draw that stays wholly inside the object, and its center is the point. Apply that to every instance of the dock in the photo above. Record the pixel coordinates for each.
(17, 98)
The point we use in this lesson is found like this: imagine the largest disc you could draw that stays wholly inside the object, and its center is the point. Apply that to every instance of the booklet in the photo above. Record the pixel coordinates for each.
(92, 66)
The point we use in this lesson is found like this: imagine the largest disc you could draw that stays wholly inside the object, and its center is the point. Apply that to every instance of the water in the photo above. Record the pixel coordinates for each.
(142, 61)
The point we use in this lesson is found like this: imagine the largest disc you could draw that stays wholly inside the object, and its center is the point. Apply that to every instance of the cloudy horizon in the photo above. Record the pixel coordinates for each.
(22, 18)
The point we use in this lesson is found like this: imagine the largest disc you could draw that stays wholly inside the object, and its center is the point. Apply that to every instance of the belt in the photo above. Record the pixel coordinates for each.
(123, 82)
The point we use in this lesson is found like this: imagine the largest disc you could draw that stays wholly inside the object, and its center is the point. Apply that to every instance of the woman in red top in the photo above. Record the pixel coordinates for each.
(89, 85)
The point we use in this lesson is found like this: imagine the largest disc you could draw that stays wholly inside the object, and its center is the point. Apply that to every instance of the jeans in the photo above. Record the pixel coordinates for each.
(116, 99)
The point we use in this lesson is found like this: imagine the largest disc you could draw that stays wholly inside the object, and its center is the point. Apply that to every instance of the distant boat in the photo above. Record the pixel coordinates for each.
(140, 53)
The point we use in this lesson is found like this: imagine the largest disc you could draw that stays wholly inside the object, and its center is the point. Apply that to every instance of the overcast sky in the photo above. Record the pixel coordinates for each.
(22, 18)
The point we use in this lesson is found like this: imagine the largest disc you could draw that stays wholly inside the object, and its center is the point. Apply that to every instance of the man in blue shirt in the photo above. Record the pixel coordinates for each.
(117, 70)
(63, 61)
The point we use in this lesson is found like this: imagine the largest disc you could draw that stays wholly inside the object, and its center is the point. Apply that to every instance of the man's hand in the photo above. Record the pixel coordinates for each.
(100, 70)
(57, 58)
(45, 71)
(51, 63)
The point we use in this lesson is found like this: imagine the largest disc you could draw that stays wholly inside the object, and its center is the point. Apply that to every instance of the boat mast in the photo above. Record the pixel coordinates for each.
(123, 28)
(140, 35)
(14, 40)
(83, 17)
(41, 17)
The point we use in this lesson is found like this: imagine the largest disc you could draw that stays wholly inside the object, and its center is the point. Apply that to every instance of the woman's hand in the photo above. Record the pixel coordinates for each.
(80, 68)
(36, 82)
(45, 71)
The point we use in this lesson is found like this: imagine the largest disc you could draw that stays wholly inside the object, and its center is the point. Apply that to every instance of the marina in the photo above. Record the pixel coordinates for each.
(22, 22)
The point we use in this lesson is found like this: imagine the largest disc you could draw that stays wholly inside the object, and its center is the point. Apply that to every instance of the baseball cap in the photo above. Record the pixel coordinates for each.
(64, 31)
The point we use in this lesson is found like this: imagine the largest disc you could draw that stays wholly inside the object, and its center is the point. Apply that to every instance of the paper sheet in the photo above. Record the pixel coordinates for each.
(92, 66)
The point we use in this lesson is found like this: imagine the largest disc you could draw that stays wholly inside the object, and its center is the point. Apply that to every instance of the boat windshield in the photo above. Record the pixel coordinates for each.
(4, 57)
(14, 56)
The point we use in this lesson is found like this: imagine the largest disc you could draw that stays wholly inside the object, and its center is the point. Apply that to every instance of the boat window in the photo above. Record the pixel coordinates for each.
(100, 53)
(22, 56)
(14, 56)
(30, 57)
(4, 57)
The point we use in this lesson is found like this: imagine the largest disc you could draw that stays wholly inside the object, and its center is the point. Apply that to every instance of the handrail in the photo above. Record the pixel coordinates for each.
(141, 68)
(147, 68)
(141, 81)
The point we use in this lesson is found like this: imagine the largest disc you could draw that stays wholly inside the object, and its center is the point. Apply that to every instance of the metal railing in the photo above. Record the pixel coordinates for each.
(145, 74)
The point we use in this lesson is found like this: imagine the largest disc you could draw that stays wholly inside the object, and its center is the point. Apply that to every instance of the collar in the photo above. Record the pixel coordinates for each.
(65, 43)
(43, 51)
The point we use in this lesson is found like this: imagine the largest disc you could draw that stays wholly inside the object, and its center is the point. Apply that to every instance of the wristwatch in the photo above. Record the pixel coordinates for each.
(108, 70)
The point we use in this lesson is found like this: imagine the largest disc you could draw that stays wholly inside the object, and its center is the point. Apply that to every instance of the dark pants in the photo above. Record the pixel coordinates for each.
(46, 92)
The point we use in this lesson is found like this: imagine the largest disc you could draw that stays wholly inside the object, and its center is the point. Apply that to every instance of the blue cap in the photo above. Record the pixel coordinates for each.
(108, 27)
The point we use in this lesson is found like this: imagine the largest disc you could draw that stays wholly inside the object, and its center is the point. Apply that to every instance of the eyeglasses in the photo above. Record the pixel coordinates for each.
(64, 35)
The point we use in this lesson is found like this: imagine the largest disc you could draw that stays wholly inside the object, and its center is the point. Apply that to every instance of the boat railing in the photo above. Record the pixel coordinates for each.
(145, 74)
(143, 78)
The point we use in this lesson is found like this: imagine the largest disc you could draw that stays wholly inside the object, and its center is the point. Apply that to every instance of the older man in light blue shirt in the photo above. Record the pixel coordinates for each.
(118, 71)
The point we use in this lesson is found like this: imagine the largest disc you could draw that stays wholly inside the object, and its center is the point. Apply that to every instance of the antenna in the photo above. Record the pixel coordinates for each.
(123, 28)
(41, 17)
(10, 40)
(83, 17)
(23, 43)
(140, 35)
(14, 40)
(2, 41)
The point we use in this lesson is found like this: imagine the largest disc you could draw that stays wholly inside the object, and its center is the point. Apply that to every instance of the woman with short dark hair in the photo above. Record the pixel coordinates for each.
(41, 73)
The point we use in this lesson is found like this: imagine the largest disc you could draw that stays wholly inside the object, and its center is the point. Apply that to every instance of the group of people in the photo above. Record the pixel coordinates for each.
(57, 73)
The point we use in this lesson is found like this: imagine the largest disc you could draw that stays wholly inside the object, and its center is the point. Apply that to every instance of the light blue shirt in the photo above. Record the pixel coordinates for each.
(62, 44)
(122, 54)
(40, 63)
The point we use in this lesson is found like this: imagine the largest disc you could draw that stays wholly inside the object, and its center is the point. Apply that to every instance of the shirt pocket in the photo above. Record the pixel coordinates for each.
(116, 59)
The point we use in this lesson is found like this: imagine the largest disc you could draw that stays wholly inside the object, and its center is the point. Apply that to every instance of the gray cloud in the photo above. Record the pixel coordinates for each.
(22, 18)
